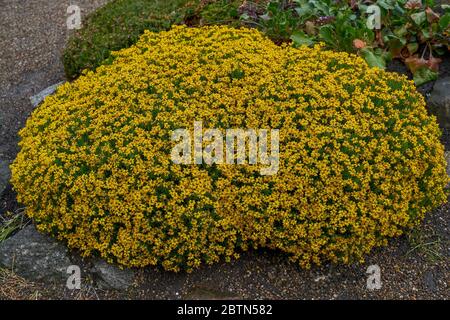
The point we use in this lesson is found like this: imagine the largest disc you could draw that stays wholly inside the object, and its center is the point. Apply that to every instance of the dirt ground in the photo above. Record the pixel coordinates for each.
(415, 266)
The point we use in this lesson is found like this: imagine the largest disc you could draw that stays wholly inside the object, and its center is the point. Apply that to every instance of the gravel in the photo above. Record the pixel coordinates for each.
(33, 34)
(415, 266)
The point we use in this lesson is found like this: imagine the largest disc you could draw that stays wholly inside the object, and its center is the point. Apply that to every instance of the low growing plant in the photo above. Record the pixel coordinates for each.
(409, 30)
(360, 158)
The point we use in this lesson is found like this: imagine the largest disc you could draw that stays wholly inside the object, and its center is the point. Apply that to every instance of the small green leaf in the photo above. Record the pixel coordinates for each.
(426, 34)
(444, 22)
(301, 39)
(265, 17)
(326, 33)
(373, 59)
(401, 31)
(412, 47)
(424, 75)
(245, 16)
(385, 4)
(399, 10)
(419, 17)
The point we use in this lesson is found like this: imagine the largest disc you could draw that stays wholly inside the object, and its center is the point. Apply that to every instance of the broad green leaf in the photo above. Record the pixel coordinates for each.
(419, 17)
(440, 50)
(424, 75)
(385, 4)
(323, 8)
(301, 39)
(399, 10)
(303, 10)
(326, 34)
(373, 59)
(444, 22)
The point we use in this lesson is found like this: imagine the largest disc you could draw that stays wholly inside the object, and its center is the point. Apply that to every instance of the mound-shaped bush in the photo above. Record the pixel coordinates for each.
(360, 159)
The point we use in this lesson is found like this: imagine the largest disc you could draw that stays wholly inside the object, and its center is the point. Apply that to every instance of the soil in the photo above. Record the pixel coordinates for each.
(415, 266)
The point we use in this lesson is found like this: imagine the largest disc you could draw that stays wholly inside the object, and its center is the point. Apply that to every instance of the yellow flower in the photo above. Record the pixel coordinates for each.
(360, 158)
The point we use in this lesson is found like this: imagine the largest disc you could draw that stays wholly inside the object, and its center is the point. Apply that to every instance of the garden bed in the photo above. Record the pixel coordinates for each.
(412, 270)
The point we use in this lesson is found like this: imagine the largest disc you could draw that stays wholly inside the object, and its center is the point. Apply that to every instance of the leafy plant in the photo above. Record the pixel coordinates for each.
(307, 22)
(119, 24)
(114, 26)
(278, 22)
(409, 30)
(361, 159)
(11, 223)
(426, 243)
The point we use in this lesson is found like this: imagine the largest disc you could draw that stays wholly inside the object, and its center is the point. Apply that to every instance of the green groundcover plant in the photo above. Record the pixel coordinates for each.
(120, 23)
(417, 32)
(414, 31)
(360, 159)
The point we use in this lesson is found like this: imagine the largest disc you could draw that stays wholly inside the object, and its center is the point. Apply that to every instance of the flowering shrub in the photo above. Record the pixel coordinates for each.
(360, 159)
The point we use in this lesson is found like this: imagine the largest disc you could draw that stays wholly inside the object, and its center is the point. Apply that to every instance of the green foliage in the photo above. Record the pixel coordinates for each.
(406, 27)
(11, 223)
(119, 24)
(115, 26)
(414, 33)
(279, 22)
(426, 243)
(219, 12)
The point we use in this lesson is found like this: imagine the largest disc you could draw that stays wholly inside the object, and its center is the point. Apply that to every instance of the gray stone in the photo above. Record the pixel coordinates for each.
(38, 98)
(35, 256)
(447, 158)
(109, 276)
(439, 101)
(5, 175)
(429, 281)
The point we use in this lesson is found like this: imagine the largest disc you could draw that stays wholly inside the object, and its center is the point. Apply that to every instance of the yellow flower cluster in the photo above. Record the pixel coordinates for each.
(360, 159)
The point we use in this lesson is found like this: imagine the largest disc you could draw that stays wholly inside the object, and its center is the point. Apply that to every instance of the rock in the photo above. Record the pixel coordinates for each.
(447, 158)
(112, 277)
(439, 101)
(35, 256)
(36, 99)
(5, 175)
(429, 281)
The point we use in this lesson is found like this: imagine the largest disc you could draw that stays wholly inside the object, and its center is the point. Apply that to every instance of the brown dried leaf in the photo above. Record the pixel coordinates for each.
(431, 15)
(359, 44)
